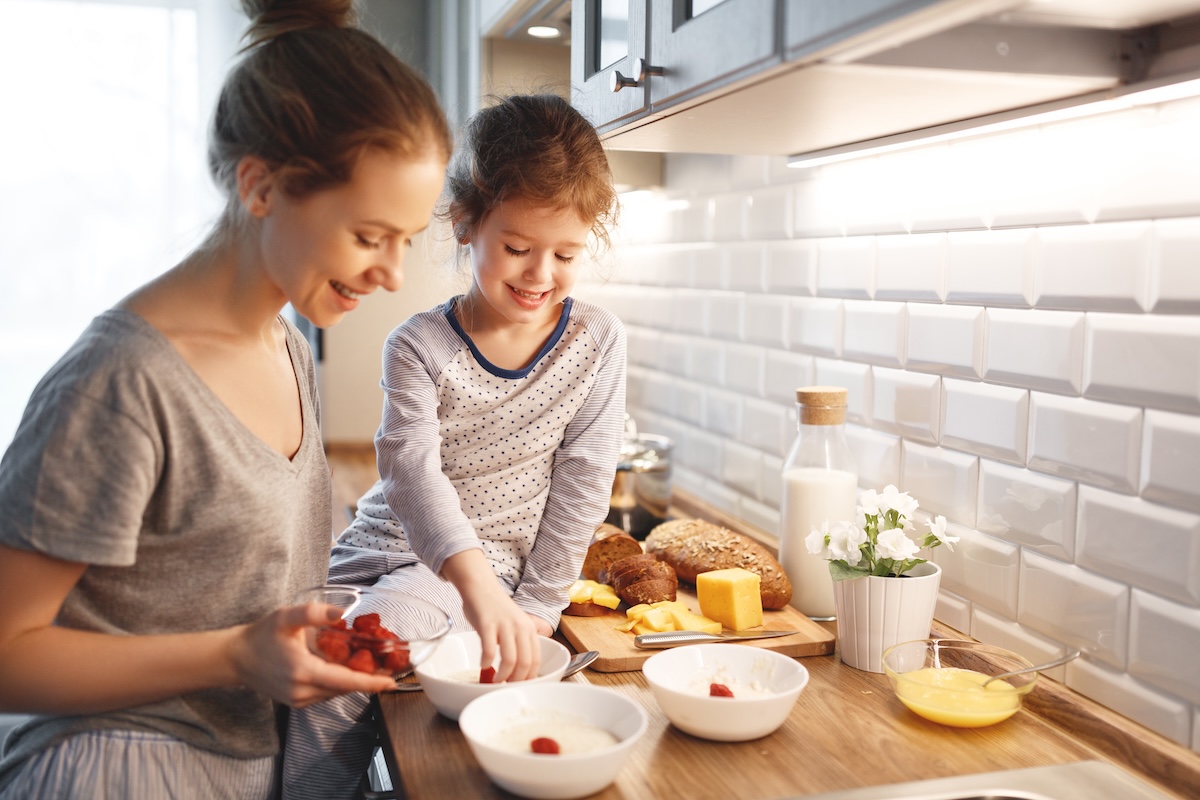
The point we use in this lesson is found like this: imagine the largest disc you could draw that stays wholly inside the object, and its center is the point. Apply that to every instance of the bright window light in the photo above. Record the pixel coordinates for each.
(543, 31)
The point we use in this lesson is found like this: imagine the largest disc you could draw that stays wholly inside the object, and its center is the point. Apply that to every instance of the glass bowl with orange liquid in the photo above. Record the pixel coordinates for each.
(942, 680)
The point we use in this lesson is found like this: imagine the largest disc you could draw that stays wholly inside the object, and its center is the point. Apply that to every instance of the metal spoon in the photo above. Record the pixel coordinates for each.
(1070, 656)
(577, 662)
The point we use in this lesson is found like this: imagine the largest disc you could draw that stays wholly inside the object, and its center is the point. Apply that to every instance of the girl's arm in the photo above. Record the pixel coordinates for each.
(45, 668)
(580, 488)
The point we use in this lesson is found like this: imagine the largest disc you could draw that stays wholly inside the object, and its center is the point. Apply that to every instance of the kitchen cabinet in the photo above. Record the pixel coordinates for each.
(779, 77)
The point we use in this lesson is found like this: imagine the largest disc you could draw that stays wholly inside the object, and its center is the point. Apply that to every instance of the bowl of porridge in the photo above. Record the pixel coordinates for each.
(451, 677)
(725, 692)
(554, 741)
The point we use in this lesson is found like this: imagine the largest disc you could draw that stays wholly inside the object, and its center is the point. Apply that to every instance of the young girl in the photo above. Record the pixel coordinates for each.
(502, 421)
(166, 495)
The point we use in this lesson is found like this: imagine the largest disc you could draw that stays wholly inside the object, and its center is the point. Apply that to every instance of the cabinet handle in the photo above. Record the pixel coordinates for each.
(617, 81)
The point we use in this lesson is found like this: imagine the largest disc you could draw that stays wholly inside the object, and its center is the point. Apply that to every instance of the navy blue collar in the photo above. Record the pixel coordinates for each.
(563, 318)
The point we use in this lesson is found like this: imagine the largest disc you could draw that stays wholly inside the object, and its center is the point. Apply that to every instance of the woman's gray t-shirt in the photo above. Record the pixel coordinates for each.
(126, 461)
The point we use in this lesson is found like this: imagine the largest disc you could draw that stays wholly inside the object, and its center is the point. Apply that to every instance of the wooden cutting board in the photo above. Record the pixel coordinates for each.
(617, 653)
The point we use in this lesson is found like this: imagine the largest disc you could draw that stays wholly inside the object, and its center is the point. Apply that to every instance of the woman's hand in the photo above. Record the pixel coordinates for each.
(501, 624)
(271, 657)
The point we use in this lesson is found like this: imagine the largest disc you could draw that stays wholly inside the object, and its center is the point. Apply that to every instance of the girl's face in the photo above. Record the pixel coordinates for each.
(327, 250)
(525, 260)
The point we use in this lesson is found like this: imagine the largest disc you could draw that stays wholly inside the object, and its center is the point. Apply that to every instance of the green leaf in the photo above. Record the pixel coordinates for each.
(841, 571)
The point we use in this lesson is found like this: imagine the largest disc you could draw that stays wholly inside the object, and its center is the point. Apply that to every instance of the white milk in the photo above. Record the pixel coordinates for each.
(812, 495)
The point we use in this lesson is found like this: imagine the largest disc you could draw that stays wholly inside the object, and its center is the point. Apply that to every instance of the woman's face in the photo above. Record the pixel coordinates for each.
(525, 260)
(329, 249)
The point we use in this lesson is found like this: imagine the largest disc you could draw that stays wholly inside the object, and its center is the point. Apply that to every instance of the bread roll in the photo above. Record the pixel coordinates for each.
(609, 544)
(693, 546)
(635, 569)
(650, 591)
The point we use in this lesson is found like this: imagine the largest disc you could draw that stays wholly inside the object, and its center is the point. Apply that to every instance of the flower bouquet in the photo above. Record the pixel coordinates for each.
(877, 541)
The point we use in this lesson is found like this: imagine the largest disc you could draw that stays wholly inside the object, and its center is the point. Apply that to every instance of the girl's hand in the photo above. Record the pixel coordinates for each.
(501, 624)
(271, 657)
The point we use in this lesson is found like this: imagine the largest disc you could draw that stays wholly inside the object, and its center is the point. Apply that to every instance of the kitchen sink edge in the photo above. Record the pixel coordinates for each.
(1053, 782)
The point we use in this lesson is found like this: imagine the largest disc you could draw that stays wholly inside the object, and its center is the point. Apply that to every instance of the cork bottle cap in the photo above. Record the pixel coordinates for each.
(822, 405)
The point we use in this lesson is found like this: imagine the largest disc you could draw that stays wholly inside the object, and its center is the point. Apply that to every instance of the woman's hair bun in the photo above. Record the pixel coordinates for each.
(271, 18)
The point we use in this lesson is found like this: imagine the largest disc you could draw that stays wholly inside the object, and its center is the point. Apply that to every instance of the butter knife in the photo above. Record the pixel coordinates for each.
(655, 641)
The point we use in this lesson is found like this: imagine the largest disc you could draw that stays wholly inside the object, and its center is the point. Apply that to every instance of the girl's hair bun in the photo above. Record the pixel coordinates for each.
(271, 18)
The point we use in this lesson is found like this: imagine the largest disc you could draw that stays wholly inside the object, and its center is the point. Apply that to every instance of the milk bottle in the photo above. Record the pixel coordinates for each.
(820, 484)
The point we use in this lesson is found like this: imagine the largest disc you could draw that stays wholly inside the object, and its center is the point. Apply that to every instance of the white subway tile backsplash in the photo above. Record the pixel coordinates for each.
(1099, 443)
(983, 419)
(910, 267)
(729, 216)
(786, 372)
(1075, 607)
(724, 312)
(993, 268)
(817, 213)
(791, 267)
(1158, 711)
(1139, 359)
(741, 468)
(954, 611)
(815, 325)
(702, 451)
(643, 346)
(874, 332)
(744, 369)
(855, 378)
(943, 481)
(772, 481)
(1027, 508)
(723, 413)
(766, 319)
(767, 426)
(760, 515)
(688, 402)
(769, 213)
(1171, 459)
(1164, 638)
(981, 568)
(877, 456)
(989, 627)
(907, 403)
(744, 267)
(1093, 267)
(705, 360)
(1143, 544)
(1034, 349)
(845, 266)
(707, 265)
(1175, 273)
(653, 389)
(671, 353)
(947, 340)
(690, 221)
(1027, 182)
(689, 312)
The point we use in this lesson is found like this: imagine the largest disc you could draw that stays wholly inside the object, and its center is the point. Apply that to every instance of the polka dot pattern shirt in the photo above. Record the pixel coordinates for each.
(518, 463)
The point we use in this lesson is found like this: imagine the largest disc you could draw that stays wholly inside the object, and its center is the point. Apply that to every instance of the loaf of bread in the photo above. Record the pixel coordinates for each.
(608, 573)
(693, 546)
(609, 543)
(642, 578)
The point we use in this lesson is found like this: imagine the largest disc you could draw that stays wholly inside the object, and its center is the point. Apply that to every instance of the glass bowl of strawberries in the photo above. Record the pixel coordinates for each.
(381, 631)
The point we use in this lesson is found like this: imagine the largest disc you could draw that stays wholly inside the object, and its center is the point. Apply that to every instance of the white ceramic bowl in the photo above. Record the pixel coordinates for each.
(765, 686)
(446, 674)
(530, 706)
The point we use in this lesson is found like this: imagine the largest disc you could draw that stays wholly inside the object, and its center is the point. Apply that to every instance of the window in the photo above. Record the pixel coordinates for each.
(104, 182)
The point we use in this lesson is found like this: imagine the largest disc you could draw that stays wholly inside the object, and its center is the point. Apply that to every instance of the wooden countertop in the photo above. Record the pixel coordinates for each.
(847, 730)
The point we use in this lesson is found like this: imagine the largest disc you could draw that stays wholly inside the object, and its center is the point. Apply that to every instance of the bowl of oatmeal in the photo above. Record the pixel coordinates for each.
(554, 741)
(725, 692)
(451, 677)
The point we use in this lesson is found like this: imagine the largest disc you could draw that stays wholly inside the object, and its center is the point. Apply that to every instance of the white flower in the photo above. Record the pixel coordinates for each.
(844, 542)
(868, 504)
(895, 545)
(817, 542)
(895, 500)
(937, 529)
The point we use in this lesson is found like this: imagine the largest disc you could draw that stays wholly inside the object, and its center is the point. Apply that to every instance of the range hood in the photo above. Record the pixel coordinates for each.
(948, 64)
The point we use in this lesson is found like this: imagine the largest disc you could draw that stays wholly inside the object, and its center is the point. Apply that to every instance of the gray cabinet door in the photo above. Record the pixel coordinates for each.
(726, 41)
(812, 25)
(598, 50)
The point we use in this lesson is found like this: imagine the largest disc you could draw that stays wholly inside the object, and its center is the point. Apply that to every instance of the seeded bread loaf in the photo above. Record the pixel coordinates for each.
(609, 543)
(650, 591)
(642, 578)
(694, 546)
(608, 574)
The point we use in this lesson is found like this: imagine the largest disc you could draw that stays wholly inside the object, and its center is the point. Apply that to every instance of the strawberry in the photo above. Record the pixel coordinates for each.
(334, 645)
(487, 675)
(719, 690)
(395, 661)
(367, 624)
(544, 745)
(362, 661)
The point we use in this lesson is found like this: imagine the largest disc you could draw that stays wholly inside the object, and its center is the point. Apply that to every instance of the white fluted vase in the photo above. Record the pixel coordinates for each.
(875, 613)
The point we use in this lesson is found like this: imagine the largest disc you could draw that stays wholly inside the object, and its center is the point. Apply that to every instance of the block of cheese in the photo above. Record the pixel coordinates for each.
(731, 597)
